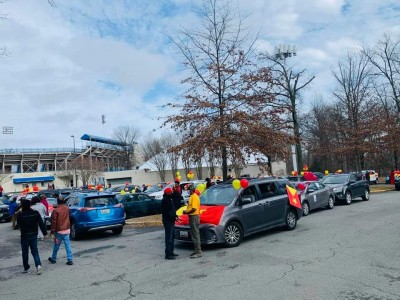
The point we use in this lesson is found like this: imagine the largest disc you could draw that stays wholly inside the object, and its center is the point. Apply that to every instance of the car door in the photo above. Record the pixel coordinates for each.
(323, 194)
(312, 195)
(355, 186)
(274, 203)
(129, 206)
(148, 204)
(252, 214)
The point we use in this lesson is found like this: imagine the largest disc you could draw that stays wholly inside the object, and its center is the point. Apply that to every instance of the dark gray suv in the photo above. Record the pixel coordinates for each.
(228, 215)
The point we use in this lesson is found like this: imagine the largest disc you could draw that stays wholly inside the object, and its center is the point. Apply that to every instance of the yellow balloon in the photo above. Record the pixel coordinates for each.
(122, 192)
(236, 184)
(133, 191)
(201, 187)
(177, 173)
(302, 173)
(179, 212)
(326, 172)
(179, 177)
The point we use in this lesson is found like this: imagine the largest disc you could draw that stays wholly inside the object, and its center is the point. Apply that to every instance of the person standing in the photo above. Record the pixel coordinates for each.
(60, 230)
(12, 209)
(43, 200)
(41, 209)
(168, 213)
(208, 183)
(1, 191)
(193, 211)
(28, 221)
(177, 195)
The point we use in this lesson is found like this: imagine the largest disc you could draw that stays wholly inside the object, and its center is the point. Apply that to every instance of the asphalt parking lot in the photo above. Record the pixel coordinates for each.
(350, 252)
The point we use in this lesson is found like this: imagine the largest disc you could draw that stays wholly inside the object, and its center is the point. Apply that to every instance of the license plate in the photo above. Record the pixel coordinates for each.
(183, 234)
(105, 211)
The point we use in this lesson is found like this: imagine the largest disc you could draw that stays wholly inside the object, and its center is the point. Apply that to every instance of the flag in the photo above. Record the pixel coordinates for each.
(293, 197)
(208, 215)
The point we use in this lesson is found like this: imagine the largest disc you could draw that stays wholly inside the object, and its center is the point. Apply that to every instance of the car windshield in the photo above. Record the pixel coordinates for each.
(152, 189)
(336, 179)
(218, 195)
(102, 201)
(51, 201)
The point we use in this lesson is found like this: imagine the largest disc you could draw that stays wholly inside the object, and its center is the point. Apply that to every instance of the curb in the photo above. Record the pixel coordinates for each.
(144, 224)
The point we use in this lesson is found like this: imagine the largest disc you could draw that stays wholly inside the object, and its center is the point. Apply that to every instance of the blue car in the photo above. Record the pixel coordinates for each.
(94, 211)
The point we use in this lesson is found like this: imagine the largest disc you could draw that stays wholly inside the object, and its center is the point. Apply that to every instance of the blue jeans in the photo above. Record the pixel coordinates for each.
(169, 238)
(57, 243)
(26, 243)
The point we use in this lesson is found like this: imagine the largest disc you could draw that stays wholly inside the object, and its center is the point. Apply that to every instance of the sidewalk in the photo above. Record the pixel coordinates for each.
(376, 188)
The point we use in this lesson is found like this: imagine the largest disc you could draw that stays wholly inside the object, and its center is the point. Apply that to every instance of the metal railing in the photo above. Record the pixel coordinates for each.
(39, 150)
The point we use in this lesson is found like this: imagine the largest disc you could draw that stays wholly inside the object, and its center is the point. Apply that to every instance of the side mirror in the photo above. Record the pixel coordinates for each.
(245, 200)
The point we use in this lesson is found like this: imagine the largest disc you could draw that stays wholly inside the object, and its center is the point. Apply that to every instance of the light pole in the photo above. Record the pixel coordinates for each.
(76, 179)
(281, 53)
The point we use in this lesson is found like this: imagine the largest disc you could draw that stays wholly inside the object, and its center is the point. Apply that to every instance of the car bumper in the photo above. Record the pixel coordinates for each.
(103, 225)
(209, 234)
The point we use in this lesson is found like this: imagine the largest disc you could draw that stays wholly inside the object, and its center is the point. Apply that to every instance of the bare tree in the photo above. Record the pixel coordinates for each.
(226, 97)
(156, 152)
(88, 168)
(128, 137)
(287, 87)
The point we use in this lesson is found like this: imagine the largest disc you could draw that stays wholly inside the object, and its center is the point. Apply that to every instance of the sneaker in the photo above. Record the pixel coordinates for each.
(196, 255)
(26, 271)
(175, 254)
(70, 263)
(39, 270)
(170, 257)
(53, 261)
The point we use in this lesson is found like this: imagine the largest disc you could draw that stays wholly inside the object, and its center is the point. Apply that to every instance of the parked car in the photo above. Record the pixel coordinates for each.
(346, 187)
(118, 189)
(160, 192)
(139, 204)
(228, 215)
(156, 188)
(52, 204)
(295, 178)
(315, 195)
(94, 211)
(4, 214)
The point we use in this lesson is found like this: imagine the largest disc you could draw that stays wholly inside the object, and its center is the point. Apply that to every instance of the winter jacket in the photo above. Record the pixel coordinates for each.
(28, 222)
(168, 211)
(60, 219)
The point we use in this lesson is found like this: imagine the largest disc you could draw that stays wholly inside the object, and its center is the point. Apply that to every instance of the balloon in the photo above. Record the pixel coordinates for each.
(236, 184)
(201, 187)
(302, 173)
(122, 192)
(126, 183)
(177, 178)
(301, 186)
(133, 191)
(101, 190)
(305, 168)
(326, 172)
(178, 174)
(197, 192)
(244, 183)
(293, 173)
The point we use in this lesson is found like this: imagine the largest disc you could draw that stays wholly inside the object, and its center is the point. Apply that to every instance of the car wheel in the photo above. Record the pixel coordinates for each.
(291, 219)
(366, 195)
(331, 202)
(233, 234)
(348, 198)
(306, 208)
(73, 234)
(117, 230)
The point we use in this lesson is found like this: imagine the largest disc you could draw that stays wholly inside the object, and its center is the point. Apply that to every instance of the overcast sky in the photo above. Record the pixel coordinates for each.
(68, 65)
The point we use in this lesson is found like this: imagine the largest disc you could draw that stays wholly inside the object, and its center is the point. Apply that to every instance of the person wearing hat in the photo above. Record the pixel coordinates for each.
(168, 213)
(193, 211)
(177, 195)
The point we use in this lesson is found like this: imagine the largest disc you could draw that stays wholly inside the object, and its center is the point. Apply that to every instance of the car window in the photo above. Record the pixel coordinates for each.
(320, 185)
(71, 201)
(267, 189)
(102, 201)
(250, 192)
(143, 197)
(282, 186)
(312, 186)
(352, 177)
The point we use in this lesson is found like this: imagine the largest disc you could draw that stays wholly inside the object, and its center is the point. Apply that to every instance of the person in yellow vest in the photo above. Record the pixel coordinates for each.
(193, 211)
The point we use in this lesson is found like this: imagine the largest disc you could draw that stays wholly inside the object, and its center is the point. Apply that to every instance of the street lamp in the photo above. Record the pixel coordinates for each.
(76, 179)
(284, 51)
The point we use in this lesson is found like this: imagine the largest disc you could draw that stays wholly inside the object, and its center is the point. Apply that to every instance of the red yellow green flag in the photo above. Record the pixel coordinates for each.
(293, 197)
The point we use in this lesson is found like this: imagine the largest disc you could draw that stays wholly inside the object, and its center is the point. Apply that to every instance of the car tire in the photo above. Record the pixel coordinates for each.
(366, 195)
(331, 202)
(74, 235)
(233, 234)
(117, 230)
(306, 208)
(291, 219)
(348, 198)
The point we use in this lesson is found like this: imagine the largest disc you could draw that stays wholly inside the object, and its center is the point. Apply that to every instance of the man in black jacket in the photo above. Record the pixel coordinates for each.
(28, 221)
(168, 218)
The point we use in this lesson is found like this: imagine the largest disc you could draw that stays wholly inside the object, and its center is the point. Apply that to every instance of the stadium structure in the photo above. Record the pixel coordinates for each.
(97, 150)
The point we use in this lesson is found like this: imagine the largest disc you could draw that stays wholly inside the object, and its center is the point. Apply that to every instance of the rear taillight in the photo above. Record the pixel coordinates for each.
(83, 209)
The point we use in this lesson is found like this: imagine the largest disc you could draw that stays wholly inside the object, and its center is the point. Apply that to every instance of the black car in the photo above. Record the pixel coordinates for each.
(139, 204)
(346, 187)
(4, 214)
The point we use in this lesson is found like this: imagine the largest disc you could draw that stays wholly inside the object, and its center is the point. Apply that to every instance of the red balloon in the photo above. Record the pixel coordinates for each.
(301, 186)
(244, 183)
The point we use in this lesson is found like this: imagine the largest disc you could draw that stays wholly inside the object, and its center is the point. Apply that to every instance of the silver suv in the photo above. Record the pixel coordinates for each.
(228, 215)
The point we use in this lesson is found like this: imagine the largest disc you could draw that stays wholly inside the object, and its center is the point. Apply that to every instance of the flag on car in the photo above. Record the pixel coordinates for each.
(293, 197)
